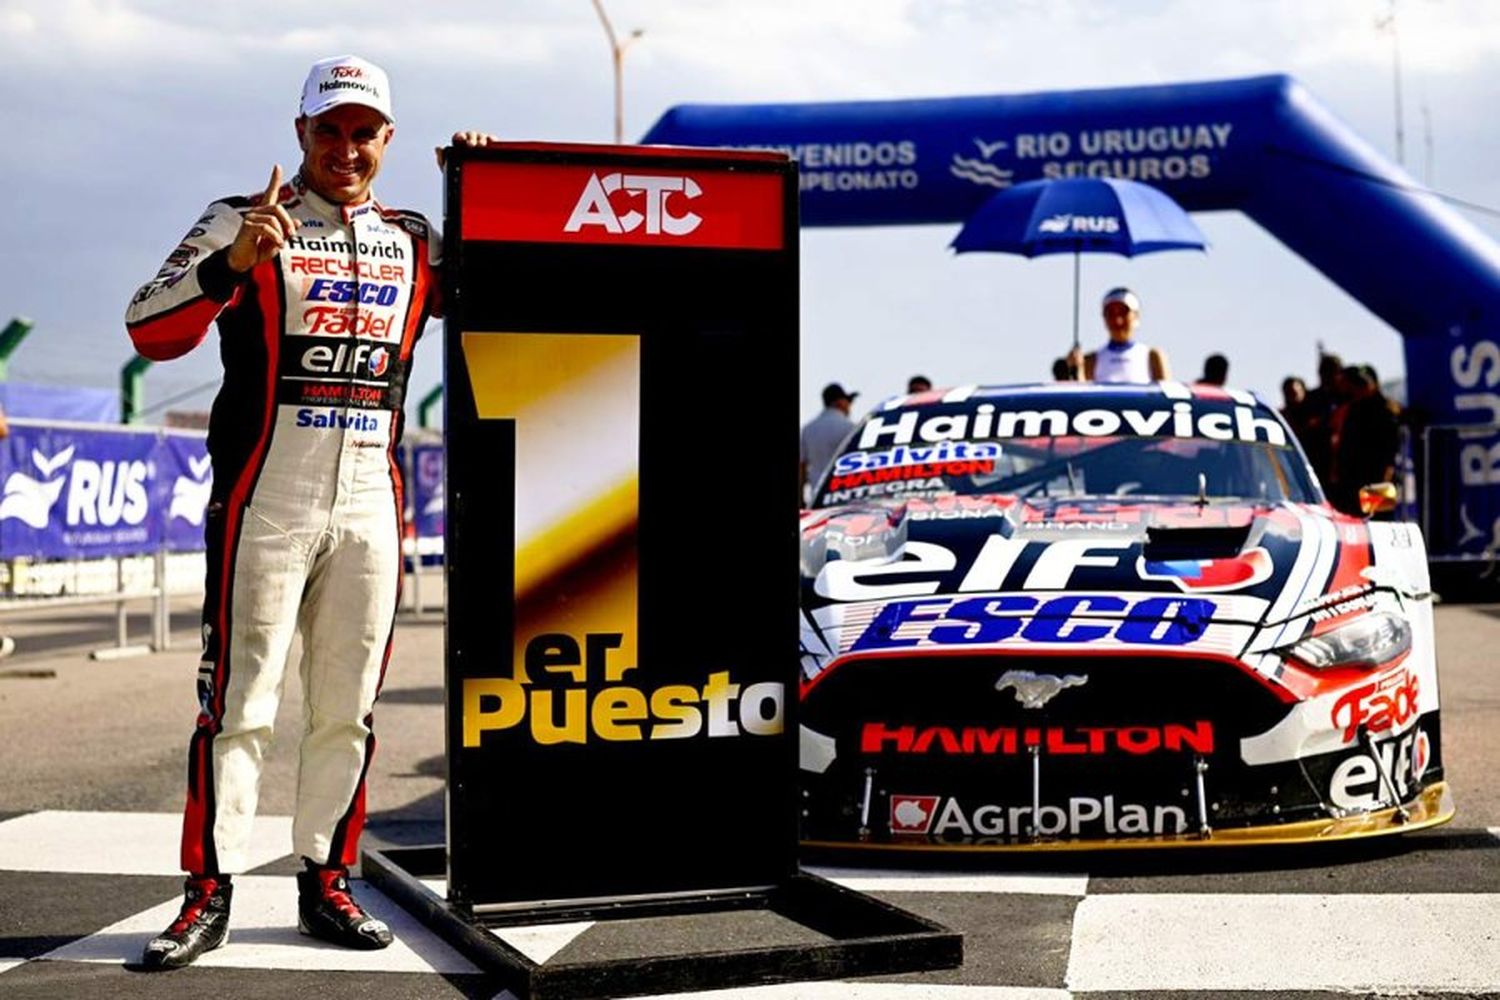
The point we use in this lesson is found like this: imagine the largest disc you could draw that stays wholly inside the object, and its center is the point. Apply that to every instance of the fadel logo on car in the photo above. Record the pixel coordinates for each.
(1384, 704)
(1082, 816)
(563, 203)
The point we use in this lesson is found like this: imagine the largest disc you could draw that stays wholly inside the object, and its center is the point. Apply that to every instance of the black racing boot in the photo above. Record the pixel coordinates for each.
(325, 909)
(203, 924)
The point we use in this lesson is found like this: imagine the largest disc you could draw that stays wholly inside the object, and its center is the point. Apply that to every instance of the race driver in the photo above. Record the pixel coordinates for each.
(319, 292)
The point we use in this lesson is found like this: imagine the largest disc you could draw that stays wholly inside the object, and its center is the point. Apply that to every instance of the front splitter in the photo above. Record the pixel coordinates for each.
(1433, 807)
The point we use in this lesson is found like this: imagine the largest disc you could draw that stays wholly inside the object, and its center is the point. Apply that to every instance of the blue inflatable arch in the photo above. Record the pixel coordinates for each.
(1264, 146)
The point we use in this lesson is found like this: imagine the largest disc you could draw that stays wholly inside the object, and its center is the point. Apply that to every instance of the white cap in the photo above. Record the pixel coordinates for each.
(346, 80)
(1124, 295)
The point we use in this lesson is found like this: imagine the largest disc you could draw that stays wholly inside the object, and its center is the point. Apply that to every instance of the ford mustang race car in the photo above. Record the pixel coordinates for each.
(1106, 616)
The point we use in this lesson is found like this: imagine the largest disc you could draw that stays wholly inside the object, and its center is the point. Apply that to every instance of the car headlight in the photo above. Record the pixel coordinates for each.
(1367, 641)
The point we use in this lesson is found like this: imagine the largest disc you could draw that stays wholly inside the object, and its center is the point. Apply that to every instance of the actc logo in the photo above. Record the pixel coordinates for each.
(380, 360)
(595, 209)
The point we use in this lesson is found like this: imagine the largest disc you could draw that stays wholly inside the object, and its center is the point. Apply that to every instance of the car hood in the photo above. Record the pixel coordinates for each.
(1255, 563)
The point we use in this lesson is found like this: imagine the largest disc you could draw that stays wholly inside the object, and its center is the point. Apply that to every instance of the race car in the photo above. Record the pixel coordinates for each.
(1068, 615)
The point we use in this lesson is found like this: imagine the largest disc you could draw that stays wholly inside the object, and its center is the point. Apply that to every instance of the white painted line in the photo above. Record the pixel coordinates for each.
(118, 843)
(263, 935)
(1221, 942)
(875, 880)
(540, 942)
(861, 991)
(6, 964)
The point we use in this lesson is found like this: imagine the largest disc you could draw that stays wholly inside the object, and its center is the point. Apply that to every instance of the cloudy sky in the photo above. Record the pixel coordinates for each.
(122, 119)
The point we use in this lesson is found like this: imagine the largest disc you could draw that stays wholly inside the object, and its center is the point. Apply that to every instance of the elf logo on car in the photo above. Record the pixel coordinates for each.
(594, 207)
(1386, 703)
(1357, 783)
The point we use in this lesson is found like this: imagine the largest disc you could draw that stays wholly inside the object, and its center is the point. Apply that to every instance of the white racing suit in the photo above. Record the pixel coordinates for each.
(304, 522)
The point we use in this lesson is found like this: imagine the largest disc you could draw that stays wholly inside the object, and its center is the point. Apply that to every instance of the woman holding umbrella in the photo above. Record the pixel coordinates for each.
(1123, 359)
(1081, 215)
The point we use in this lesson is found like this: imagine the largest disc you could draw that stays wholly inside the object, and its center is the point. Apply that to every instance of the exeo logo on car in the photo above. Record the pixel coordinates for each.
(595, 209)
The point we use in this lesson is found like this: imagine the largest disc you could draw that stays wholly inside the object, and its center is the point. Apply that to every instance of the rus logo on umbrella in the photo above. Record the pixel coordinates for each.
(1079, 215)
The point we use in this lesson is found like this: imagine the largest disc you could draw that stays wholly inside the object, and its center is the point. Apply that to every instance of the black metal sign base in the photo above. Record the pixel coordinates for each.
(855, 935)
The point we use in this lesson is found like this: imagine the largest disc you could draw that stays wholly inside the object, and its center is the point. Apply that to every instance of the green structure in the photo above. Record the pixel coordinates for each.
(132, 389)
(10, 338)
(428, 404)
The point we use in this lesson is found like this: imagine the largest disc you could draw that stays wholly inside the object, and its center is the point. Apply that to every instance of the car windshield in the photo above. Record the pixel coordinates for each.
(1217, 453)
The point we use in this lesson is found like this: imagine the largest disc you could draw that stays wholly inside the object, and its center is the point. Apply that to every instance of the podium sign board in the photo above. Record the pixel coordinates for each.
(622, 354)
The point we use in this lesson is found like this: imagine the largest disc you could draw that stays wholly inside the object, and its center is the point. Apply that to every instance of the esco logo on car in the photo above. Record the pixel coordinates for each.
(595, 209)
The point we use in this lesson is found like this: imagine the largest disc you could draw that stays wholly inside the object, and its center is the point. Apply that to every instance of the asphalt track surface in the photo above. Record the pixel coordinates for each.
(92, 761)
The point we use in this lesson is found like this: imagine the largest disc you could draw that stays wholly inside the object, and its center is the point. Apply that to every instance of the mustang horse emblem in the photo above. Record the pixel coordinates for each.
(1035, 690)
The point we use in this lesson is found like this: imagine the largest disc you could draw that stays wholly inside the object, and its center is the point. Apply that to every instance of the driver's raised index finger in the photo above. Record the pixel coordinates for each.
(273, 190)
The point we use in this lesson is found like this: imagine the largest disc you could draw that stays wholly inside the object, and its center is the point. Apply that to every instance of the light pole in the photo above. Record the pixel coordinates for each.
(1389, 23)
(617, 55)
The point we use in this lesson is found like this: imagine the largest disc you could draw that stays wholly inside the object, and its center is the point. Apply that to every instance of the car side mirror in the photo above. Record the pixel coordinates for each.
(1377, 498)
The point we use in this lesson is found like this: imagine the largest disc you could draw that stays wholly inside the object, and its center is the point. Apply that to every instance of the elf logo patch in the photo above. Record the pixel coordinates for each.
(651, 199)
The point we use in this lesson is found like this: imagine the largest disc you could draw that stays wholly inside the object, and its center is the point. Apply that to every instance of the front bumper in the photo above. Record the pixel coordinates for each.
(1433, 807)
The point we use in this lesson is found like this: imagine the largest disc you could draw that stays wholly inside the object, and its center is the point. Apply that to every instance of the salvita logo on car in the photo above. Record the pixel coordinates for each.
(656, 194)
(941, 817)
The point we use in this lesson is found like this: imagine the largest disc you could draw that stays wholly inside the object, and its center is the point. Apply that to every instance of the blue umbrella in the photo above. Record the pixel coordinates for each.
(1079, 215)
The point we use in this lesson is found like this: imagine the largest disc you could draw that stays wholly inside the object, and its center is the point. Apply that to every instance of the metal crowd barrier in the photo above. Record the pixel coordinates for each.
(86, 502)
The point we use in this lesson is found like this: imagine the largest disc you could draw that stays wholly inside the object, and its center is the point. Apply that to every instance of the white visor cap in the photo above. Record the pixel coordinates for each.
(346, 80)
(1123, 295)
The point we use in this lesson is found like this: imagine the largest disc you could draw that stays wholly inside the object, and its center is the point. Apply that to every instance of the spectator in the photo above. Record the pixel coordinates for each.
(1123, 359)
(1365, 439)
(1215, 370)
(1062, 371)
(1293, 395)
(1316, 430)
(823, 435)
(916, 384)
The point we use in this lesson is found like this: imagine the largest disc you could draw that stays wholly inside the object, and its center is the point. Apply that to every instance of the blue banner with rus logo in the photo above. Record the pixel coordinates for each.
(78, 493)
(427, 493)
